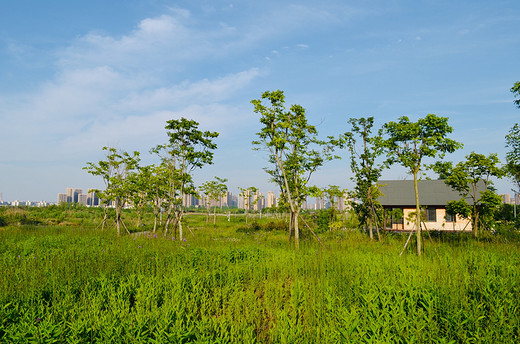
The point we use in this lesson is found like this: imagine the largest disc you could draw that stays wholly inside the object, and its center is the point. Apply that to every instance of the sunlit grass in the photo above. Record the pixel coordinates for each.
(231, 283)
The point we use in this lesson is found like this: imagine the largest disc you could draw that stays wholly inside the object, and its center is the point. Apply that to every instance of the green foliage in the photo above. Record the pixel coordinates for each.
(295, 152)
(460, 207)
(472, 179)
(322, 219)
(366, 171)
(516, 91)
(268, 226)
(407, 143)
(512, 167)
(490, 204)
(214, 190)
(115, 171)
(188, 149)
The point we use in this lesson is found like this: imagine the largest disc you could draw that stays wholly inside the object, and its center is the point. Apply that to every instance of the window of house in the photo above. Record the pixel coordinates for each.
(397, 216)
(450, 217)
(431, 214)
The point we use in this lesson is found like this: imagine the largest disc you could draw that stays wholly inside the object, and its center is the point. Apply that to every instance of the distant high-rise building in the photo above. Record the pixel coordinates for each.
(70, 195)
(83, 199)
(271, 199)
(92, 199)
(62, 198)
(244, 200)
(258, 200)
(1, 199)
(186, 201)
(76, 194)
(234, 200)
(320, 203)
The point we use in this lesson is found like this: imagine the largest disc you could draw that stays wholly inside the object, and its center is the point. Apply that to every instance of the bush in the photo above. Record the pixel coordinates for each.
(268, 227)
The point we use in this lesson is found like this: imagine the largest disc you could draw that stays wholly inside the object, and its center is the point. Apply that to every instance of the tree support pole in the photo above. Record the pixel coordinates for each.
(317, 237)
(406, 244)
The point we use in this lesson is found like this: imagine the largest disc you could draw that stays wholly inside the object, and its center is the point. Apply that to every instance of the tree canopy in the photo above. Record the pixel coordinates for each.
(365, 169)
(295, 152)
(408, 143)
(472, 179)
(516, 91)
(188, 148)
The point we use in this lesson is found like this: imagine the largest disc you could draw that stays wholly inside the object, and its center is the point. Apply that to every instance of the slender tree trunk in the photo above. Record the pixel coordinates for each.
(291, 225)
(370, 218)
(296, 230)
(139, 219)
(374, 214)
(168, 220)
(417, 215)
(180, 228)
(475, 219)
(370, 230)
(118, 217)
(105, 217)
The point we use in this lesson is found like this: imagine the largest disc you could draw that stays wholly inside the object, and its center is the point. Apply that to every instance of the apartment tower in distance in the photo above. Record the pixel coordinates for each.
(76, 196)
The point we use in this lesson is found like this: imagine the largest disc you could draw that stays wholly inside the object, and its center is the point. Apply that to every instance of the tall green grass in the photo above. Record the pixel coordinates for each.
(76, 285)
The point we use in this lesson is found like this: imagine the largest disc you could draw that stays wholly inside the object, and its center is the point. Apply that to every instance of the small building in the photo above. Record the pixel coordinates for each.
(433, 196)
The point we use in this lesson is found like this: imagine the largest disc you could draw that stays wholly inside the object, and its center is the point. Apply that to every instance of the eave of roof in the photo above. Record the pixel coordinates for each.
(401, 193)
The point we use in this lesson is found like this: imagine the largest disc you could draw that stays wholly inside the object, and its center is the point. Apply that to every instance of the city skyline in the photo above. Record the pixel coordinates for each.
(254, 201)
(270, 199)
(77, 76)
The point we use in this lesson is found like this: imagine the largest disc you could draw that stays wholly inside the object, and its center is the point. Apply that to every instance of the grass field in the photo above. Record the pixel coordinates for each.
(233, 284)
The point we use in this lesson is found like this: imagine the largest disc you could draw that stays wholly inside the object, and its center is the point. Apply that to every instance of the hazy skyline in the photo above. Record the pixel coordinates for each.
(75, 77)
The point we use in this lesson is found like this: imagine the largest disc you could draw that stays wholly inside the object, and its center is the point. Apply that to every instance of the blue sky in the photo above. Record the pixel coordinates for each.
(76, 76)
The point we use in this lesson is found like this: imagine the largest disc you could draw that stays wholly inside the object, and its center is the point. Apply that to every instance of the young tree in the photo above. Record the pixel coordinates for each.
(246, 194)
(319, 194)
(334, 194)
(158, 190)
(465, 177)
(115, 171)
(366, 171)
(139, 190)
(513, 155)
(407, 143)
(294, 150)
(214, 190)
(188, 148)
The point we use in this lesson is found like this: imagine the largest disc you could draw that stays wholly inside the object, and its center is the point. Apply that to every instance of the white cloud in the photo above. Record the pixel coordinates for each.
(163, 41)
(121, 91)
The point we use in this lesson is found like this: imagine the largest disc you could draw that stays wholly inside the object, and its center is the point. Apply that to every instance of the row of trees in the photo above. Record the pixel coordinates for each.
(161, 186)
(295, 152)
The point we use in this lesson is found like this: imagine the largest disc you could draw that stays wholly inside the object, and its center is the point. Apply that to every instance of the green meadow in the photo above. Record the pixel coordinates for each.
(64, 280)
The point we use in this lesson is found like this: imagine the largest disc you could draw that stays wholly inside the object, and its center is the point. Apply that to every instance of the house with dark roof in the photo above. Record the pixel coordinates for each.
(433, 197)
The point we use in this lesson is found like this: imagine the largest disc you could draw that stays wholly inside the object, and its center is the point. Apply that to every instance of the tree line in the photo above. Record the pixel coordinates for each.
(295, 152)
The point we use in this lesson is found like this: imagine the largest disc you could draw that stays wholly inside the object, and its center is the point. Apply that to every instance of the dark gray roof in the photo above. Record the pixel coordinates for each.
(431, 193)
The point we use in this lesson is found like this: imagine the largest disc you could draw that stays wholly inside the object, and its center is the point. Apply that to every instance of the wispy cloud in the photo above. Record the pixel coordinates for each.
(118, 89)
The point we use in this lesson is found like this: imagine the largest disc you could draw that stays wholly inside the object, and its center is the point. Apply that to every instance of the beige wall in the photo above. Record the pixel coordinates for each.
(441, 224)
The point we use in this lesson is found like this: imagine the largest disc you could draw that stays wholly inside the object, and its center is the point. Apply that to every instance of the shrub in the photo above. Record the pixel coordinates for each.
(268, 227)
